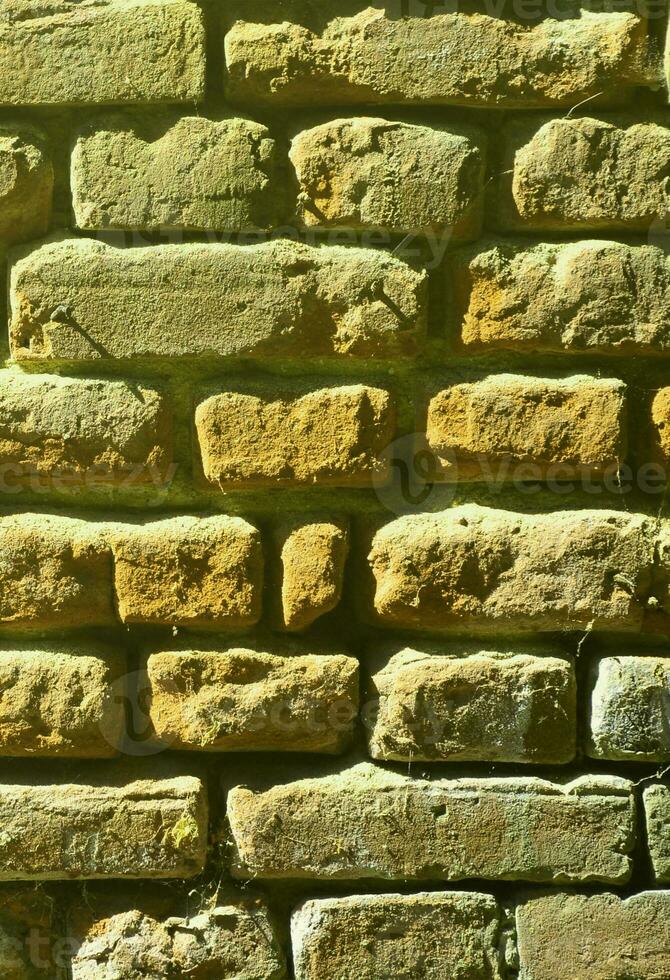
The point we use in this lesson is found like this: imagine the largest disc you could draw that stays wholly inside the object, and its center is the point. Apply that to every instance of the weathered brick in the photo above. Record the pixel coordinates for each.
(367, 822)
(433, 935)
(595, 936)
(469, 703)
(310, 578)
(64, 52)
(584, 175)
(26, 183)
(103, 827)
(147, 937)
(577, 296)
(189, 571)
(29, 946)
(510, 426)
(657, 812)
(628, 710)
(80, 300)
(659, 444)
(199, 175)
(61, 699)
(475, 567)
(369, 173)
(72, 432)
(262, 697)
(55, 573)
(458, 58)
(331, 436)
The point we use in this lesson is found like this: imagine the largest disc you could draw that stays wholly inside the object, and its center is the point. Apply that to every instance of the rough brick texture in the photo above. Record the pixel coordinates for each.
(432, 934)
(510, 427)
(458, 702)
(334, 513)
(132, 51)
(199, 175)
(244, 300)
(367, 822)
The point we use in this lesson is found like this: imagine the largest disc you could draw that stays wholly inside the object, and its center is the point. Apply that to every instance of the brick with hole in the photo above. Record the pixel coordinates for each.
(80, 300)
(428, 934)
(366, 822)
(68, 53)
(203, 572)
(363, 54)
(467, 702)
(518, 427)
(333, 436)
(196, 174)
(587, 296)
(369, 173)
(252, 697)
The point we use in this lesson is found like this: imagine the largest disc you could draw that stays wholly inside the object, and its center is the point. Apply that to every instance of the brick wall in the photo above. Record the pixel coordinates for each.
(334, 448)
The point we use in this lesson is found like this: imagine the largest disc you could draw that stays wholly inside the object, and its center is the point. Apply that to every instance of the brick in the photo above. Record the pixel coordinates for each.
(199, 175)
(80, 300)
(331, 436)
(63, 52)
(659, 447)
(447, 58)
(80, 433)
(584, 175)
(429, 934)
(509, 426)
(574, 296)
(55, 573)
(595, 936)
(475, 567)
(370, 173)
(138, 937)
(368, 822)
(189, 571)
(253, 698)
(466, 702)
(29, 946)
(629, 709)
(657, 813)
(310, 578)
(109, 826)
(61, 699)
(26, 183)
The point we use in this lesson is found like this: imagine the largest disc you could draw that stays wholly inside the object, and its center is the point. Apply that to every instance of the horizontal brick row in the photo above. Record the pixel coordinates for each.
(321, 53)
(439, 932)
(83, 301)
(454, 701)
(362, 822)
(470, 567)
(557, 175)
(69, 433)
